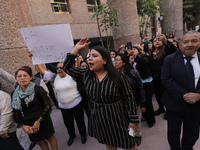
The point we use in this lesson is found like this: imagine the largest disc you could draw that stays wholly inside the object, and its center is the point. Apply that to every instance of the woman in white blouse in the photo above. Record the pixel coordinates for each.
(69, 100)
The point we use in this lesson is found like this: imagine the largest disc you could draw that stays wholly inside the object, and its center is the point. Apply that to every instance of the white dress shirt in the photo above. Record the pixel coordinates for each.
(196, 67)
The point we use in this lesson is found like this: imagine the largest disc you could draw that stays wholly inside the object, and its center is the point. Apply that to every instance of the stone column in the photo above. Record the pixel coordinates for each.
(128, 21)
(13, 50)
(174, 22)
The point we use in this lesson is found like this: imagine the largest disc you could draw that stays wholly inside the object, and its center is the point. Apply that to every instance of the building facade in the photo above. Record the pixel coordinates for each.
(30, 13)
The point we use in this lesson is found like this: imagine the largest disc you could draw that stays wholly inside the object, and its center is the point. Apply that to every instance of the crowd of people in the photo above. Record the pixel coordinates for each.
(114, 88)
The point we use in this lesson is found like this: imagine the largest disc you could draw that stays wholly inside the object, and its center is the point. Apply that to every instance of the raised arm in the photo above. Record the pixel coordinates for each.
(40, 69)
(7, 76)
(170, 48)
(69, 62)
(77, 63)
(142, 60)
(80, 45)
(48, 76)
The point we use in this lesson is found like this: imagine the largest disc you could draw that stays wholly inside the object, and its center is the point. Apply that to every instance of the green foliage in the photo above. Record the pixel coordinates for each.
(191, 8)
(146, 10)
(106, 19)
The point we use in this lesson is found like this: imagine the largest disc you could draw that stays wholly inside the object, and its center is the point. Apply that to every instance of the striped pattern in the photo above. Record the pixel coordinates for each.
(109, 114)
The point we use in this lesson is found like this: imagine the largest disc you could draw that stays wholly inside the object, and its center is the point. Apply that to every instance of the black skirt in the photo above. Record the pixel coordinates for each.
(46, 130)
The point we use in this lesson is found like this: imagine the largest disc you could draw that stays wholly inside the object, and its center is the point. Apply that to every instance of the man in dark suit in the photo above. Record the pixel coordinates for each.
(181, 79)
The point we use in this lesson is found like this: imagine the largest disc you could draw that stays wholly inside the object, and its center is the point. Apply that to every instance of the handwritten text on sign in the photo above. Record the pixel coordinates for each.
(48, 43)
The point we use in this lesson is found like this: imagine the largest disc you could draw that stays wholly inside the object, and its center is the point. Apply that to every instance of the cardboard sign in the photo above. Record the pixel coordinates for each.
(48, 43)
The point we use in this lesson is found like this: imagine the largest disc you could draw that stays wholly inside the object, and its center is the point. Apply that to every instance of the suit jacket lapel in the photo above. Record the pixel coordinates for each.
(180, 66)
(198, 83)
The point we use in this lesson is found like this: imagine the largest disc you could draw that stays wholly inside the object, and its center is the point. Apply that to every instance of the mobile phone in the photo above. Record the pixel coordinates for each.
(129, 45)
(131, 132)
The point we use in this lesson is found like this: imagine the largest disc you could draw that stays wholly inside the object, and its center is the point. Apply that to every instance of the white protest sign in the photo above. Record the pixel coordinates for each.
(48, 43)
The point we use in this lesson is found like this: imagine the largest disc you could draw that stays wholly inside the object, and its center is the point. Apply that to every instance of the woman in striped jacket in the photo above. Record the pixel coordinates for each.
(113, 111)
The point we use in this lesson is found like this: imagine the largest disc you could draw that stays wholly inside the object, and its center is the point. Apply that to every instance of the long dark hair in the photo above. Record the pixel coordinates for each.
(146, 48)
(127, 65)
(113, 51)
(112, 71)
(161, 52)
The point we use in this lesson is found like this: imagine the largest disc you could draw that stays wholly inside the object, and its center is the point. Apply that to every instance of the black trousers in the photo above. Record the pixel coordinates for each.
(158, 90)
(74, 113)
(149, 114)
(190, 128)
(11, 143)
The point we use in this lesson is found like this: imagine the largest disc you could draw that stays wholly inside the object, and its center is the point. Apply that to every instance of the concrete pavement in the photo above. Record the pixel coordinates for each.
(154, 138)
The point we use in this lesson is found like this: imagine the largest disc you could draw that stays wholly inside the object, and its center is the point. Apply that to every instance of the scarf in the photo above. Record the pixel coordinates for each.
(18, 94)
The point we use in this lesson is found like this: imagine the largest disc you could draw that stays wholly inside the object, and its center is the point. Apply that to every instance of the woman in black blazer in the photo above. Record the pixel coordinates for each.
(134, 79)
(142, 66)
(161, 48)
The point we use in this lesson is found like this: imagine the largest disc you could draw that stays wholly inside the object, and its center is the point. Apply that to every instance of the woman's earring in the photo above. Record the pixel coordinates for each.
(104, 62)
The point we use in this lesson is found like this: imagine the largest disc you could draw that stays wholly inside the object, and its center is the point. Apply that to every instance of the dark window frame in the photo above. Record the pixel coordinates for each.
(60, 9)
(92, 5)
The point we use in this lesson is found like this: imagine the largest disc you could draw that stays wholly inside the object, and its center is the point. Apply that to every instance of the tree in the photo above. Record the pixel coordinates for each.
(146, 10)
(191, 8)
(106, 19)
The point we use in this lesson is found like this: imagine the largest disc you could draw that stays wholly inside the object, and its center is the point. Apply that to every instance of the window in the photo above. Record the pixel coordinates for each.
(60, 6)
(91, 4)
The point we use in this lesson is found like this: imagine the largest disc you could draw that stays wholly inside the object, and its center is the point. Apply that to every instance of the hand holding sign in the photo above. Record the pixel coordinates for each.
(48, 43)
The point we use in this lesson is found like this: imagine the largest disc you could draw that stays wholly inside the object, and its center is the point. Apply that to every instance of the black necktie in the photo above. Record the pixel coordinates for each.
(190, 74)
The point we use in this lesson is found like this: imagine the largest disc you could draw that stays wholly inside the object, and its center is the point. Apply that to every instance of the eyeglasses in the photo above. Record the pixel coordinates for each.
(118, 59)
(22, 76)
(59, 68)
